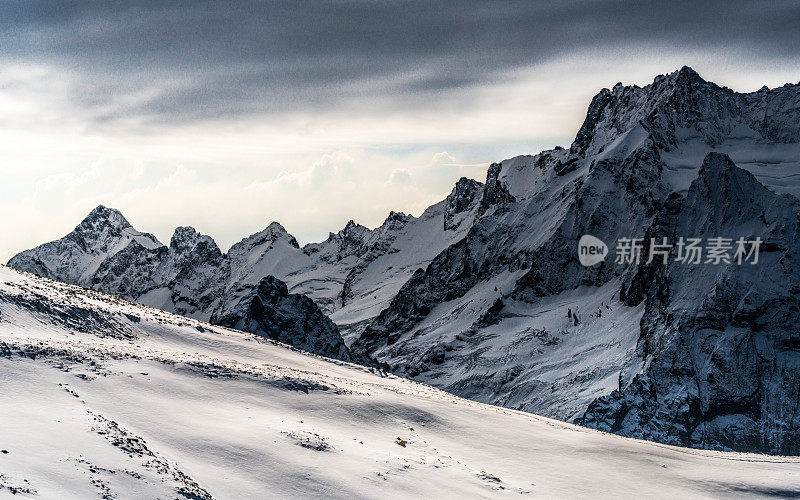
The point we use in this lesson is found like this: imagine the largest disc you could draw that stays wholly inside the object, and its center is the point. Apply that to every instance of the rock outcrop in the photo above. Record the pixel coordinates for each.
(718, 355)
(271, 311)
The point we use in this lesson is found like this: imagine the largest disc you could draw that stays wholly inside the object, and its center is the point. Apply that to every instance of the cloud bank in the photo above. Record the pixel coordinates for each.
(227, 115)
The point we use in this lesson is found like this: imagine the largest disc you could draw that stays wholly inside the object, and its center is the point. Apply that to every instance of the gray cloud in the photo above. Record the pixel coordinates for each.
(182, 62)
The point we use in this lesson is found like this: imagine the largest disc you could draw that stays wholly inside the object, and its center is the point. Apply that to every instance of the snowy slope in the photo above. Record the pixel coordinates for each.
(105, 397)
(522, 252)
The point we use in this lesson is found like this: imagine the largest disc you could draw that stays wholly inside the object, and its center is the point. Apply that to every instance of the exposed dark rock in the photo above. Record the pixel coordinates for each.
(492, 315)
(462, 199)
(719, 367)
(495, 193)
(272, 312)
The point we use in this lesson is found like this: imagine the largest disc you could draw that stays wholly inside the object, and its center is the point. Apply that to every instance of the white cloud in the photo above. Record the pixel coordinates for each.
(400, 176)
(311, 172)
(443, 158)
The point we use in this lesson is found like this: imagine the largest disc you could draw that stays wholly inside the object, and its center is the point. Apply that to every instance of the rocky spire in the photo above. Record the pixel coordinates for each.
(463, 197)
(494, 191)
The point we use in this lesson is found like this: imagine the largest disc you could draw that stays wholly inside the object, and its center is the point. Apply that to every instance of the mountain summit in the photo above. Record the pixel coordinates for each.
(681, 107)
(77, 257)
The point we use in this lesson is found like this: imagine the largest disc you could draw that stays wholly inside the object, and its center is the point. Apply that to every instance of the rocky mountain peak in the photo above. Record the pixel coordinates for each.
(463, 194)
(593, 117)
(494, 191)
(683, 80)
(395, 220)
(351, 239)
(102, 211)
(721, 178)
(106, 229)
(681, 106)
(724, 194)
(277, 229)
(184, 237)
(719, 171)
(688, 76)
(272, 289)
(102, 216)
(186, 240)
(274, 232)
(77, 257)
(463, 197)
(353, 231)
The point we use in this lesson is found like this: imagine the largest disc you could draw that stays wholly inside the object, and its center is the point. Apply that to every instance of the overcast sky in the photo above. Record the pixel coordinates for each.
(226, 116)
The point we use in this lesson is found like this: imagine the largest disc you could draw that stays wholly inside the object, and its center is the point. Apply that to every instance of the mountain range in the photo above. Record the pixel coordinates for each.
(483, 294)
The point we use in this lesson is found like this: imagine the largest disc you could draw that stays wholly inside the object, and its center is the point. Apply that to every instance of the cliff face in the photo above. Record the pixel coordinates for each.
(271, 311)
(719, 343)
(623, 340)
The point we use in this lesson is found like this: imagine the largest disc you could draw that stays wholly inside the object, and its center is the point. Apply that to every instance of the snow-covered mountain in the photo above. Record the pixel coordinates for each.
(352, 275)
(718, 357)
(106, 398)
(78, 257)
(190, 277)
(508, 315)
(483, 295)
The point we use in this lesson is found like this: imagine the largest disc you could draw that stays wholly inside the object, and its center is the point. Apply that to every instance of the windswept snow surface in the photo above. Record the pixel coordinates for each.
(102, 397)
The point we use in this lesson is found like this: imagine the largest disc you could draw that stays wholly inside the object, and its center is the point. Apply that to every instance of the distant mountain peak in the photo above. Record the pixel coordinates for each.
(184, 233)
(186, 239)
(719, 171)
(465, 185)
(682, 78)
(688, 72)
(717, 162)
(351, 225)
(396, 220)
(494, 192)
(277, 227)
(726, 191)
(101, 210)
(102, 215)
(353, 230)
(76, 257)
(464, 196)
(682, 106)
(274, 232)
